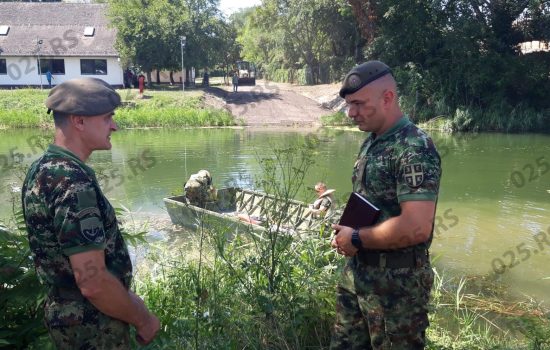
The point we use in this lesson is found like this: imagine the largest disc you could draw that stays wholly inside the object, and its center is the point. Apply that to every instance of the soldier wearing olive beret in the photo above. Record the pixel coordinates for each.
(76, 244)
(383, 294)
(83, 97)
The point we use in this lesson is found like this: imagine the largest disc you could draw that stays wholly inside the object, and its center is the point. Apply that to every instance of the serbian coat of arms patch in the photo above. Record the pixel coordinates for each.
(414, 175)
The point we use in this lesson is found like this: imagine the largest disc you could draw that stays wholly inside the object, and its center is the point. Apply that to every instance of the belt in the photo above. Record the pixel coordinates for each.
(394, 260)
(72, 294)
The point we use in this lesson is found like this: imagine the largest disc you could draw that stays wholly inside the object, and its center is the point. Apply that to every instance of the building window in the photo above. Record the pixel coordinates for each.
(93, 67)
(55, 66)
(3, 68)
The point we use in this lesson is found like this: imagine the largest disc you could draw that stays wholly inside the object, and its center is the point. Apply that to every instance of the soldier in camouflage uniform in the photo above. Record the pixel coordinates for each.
(76, 244)
(199, 190)
(383, 295)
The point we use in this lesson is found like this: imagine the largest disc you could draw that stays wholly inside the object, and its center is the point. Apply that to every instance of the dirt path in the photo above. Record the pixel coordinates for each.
(276, 104)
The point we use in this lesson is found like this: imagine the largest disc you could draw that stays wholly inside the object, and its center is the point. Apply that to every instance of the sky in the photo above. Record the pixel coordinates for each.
(230, 6)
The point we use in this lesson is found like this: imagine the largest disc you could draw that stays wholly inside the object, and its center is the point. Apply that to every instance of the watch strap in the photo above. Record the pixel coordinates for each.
(356, 239)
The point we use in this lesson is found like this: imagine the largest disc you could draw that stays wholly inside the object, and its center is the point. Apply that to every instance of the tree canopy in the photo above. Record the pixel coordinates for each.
(149, 31)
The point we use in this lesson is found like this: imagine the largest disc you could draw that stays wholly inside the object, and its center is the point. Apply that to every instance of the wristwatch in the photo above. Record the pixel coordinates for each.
(356, 239)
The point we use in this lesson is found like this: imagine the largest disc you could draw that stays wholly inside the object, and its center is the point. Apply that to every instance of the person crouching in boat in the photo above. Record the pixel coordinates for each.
(323, 204)
(199, 189)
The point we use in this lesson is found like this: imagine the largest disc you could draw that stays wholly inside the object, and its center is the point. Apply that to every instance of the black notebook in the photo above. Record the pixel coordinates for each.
(359, 212)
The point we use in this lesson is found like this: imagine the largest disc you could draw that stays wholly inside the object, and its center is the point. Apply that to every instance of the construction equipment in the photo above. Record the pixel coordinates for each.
(247, 72)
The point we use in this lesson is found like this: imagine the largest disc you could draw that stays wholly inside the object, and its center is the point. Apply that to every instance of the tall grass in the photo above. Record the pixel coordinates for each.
(24, 108)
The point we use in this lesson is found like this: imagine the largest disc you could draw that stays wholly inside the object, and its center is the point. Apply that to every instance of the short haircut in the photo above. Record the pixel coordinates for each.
(320, 185)
(60, 118)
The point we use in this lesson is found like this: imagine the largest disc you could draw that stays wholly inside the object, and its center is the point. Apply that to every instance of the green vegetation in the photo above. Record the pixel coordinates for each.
(21, 295)
(24, 108)
(336, 119)
(309, 41)
(149, 32)
(169, 109)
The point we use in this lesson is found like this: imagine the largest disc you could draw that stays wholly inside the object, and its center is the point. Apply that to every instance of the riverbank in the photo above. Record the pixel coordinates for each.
(24, 108)
(266, 104)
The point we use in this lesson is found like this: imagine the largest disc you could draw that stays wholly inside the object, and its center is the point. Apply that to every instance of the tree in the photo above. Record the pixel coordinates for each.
(300, 33)
(149, 31)
(141, 32)
(464, 54)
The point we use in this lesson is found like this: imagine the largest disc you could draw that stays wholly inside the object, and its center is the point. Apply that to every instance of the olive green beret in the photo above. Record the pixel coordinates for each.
(83, 97)
(361, 75)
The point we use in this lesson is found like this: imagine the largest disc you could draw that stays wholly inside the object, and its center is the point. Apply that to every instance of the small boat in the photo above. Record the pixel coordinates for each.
(245, 210)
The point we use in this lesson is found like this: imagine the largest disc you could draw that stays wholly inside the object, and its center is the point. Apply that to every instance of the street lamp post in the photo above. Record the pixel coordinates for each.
(182, 71)
(38, 43)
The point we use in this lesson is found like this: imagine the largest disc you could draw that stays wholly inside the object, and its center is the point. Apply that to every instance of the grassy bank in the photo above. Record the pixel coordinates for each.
(24, 108)
(467, 120)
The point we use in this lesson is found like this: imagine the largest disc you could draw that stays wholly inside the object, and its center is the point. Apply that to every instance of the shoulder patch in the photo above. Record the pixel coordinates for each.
(414, 174)
(92, 229)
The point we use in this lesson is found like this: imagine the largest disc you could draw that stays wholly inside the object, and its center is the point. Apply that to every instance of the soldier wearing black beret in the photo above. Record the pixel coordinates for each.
(77, 246)
(383, 294)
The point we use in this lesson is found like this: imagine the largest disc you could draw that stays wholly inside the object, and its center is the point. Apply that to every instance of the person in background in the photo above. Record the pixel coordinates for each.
(235, 80)
(141, 84)
(49, 77)
(76, 243)
(129, 78)
(323, 204)
(199, 189)
(205, 78)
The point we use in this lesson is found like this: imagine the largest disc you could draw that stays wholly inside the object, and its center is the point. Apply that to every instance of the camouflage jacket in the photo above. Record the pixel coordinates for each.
(322, 203)
(400, 165)
(66, 213)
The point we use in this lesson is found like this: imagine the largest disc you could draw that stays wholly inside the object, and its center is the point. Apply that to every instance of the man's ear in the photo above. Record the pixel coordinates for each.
(77, 122)
(389, 97)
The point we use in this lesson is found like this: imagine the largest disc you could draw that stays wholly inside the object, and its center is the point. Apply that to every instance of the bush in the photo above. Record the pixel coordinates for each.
(336, 119)
(21, 294)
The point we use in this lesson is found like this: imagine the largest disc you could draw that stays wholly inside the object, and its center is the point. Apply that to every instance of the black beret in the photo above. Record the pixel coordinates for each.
(83, 97)
(361, 75)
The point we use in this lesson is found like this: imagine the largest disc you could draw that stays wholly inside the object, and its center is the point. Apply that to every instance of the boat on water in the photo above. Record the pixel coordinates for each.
(245, 210)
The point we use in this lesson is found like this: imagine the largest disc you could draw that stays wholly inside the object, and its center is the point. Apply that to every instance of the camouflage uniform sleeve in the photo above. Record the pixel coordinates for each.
(418, 174)
(325, 204)
(78, 222)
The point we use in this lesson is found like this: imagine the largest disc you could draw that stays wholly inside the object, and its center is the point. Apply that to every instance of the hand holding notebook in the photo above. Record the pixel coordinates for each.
(359, 212)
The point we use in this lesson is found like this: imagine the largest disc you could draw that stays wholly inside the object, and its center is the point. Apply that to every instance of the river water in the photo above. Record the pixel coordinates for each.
(493, 207)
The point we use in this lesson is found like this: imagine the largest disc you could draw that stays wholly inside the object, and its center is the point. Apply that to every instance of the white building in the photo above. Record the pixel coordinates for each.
(68, 39)
(534, 46)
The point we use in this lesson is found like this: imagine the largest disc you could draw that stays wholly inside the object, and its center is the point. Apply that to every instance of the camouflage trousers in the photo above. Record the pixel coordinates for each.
(382, 308)
(69, 328)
